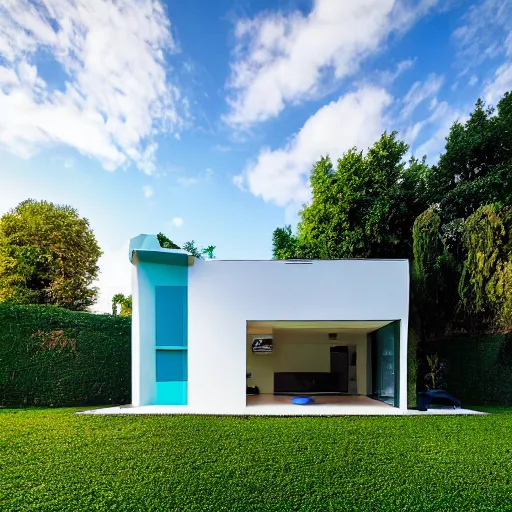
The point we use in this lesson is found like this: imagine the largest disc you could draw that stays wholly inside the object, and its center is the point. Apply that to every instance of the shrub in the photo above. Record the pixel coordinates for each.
(51, 356)
(480, 367)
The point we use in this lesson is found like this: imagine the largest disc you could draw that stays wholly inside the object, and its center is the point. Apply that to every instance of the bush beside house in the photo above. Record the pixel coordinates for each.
(479, 367)
(54, 357)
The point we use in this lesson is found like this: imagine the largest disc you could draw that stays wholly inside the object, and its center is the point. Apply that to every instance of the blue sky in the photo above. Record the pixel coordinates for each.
(202, 118)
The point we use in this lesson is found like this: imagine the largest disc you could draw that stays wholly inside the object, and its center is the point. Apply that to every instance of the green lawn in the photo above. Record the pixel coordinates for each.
(56, 460)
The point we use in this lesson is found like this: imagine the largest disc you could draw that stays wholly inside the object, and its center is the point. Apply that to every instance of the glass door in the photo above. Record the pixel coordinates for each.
(385, 364)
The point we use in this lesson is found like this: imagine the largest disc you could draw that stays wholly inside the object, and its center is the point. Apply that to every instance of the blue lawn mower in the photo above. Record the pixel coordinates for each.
(436, 397)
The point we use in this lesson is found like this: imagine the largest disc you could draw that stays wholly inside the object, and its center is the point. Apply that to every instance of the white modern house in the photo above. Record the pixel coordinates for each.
(207, 331)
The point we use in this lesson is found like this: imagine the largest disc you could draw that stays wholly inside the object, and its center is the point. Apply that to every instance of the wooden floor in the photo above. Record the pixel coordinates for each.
(348, 400)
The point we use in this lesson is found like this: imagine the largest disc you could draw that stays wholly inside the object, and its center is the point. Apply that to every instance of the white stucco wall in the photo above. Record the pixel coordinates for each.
(224, 295)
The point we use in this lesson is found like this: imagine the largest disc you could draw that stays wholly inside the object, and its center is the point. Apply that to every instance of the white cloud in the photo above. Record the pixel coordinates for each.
(283, 58)
(281, 176)
(389, 77)
(148, 191)
(222, 148)
(116, 96)
(441, 119)
(508, 44)
(177, 221)
(473, 80)
(187, 181)
(419, 92)
(501, 84)
(115, 276)
(484, 32)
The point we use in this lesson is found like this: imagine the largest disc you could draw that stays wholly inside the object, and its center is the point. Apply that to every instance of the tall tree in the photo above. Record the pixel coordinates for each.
(476, 167)
(434, 276)
(364, 208)
(48, 255)
(284, 244)
(485, 289)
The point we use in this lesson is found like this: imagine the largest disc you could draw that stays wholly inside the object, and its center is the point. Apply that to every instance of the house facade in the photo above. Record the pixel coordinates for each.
(204, 332)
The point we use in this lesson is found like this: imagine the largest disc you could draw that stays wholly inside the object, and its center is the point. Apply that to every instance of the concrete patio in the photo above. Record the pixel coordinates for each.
(272, 405)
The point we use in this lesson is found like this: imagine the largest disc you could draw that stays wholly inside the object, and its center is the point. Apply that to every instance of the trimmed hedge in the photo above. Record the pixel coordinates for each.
(479, 368)
(52, 356)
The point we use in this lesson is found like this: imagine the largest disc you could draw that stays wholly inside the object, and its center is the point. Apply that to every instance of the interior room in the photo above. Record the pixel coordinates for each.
(338, 363)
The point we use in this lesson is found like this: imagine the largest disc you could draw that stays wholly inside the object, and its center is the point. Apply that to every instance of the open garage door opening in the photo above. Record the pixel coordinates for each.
(338, 363)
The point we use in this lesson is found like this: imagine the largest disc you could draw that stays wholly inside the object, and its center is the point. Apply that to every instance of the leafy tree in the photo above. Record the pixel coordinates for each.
(476, 167)
(125, 302)
(484, 287)
(365, 208)
(48, 255)
(190, 247)
(166, 243)
(284, 244)
(434, 276)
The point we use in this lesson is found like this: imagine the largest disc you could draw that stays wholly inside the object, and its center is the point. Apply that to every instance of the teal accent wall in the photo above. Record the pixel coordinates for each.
(163, 337)
(171, 344)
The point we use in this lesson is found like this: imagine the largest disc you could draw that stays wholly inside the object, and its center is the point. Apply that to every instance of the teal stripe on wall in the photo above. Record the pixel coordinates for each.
(171, 315)
(171, 319)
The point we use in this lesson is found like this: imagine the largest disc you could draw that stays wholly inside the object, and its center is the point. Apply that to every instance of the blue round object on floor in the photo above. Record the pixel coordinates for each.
(302, 400)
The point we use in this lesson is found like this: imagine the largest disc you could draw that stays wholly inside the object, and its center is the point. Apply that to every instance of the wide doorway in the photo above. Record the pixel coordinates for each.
(339, 363)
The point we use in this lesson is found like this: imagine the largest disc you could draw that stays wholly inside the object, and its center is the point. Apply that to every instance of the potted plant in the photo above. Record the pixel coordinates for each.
(435, 381)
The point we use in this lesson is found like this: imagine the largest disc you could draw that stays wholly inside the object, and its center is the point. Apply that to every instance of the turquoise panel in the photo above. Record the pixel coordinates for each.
(171, 365)
(154, 274)
(171, 315)
(171, 393)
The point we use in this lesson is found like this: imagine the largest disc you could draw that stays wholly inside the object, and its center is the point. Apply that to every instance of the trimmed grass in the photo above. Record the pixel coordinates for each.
(52, 459)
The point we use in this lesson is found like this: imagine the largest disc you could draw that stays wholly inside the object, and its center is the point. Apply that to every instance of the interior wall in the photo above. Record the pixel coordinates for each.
(302, 351)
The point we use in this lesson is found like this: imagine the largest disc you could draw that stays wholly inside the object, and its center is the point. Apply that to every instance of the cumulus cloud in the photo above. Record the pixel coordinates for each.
(116, 94)
(283, 58)
(281, 175)
(177, 221)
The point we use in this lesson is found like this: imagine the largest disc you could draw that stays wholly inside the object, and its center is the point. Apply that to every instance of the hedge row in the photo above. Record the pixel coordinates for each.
(54, 357)
(479, 368)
